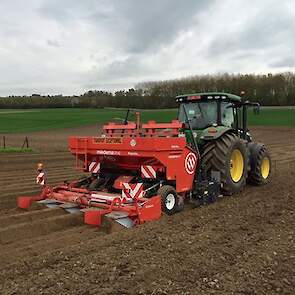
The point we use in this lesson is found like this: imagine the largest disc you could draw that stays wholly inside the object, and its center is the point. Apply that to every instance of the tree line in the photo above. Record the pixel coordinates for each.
(270, 89)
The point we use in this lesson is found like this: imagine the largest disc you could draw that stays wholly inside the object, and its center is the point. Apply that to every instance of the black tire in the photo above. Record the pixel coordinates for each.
(217, 156)
(258, 154)
(168, 194)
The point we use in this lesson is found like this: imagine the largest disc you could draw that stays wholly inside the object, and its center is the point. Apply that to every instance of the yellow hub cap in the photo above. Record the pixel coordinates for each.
(265, 168)
(236, 165)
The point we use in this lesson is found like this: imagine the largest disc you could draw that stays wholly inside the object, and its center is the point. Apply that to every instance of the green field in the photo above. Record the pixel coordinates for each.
(12, 150)
(20, 121)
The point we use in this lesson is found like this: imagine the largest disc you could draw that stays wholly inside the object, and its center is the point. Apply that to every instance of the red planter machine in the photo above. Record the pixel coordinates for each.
(127, 166)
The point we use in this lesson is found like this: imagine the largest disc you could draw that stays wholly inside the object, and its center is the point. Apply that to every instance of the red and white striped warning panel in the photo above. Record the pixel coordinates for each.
(41, 178)
(94, 167)
(132, 190)
(148, 171)
(190, 163)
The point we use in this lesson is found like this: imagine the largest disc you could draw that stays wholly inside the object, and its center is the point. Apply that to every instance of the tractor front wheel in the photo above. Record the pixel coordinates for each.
(169, 199)
(260, 163)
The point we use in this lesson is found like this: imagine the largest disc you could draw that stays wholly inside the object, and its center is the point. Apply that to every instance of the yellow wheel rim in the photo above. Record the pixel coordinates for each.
(236, 165)
(265, 168)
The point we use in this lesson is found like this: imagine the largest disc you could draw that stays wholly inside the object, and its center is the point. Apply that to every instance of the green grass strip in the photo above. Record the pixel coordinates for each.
(10, 150)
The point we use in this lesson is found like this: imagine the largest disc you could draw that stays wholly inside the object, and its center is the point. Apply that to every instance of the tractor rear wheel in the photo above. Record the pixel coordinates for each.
(169, 199)
(260, 163)
(227, 155)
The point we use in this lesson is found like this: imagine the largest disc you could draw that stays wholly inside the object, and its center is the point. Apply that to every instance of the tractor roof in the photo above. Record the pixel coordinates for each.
(210, 95)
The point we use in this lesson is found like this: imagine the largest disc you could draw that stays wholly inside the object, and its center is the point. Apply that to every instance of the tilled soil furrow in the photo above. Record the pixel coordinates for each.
(9, 202)
(35, 228)
(28, 161)
(49, 164)
(53, 241)
(29, 176)
(6, 174)
(30, 216)
(279, 144)
(33, 156)
(31, 168)
(279, 151)
(29, 183)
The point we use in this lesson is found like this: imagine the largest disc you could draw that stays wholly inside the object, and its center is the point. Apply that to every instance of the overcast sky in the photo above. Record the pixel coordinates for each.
(70, 46)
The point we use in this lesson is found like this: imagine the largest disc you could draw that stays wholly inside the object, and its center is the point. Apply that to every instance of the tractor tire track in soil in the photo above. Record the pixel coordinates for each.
(240, 245)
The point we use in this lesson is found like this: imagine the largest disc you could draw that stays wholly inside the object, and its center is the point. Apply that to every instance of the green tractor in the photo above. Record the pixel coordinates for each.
(216, 127)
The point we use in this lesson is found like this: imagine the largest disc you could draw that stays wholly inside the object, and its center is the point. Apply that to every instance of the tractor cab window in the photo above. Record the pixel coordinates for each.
(201, 114)
(227, 115)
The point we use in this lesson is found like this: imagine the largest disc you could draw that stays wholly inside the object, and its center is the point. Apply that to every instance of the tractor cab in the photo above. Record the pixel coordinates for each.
(212, 114)
(205, 111)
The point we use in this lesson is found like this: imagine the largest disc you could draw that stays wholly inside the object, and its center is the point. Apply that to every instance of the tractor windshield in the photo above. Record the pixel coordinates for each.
(204, 114)
(201, 114)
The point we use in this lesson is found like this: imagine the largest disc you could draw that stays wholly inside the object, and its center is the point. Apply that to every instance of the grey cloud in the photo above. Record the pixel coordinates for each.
(71, 11)
(288, 61)
(142, 25)
(153, 23)
(132, 67)
(138, 28)
(53, 43)
(67, 46)
(266, 29)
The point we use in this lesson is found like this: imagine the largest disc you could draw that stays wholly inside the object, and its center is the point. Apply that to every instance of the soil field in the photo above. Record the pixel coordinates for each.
(239, 245)
(49, 141)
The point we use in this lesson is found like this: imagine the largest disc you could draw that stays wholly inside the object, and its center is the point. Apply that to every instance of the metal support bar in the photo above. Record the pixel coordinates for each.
(192, 134)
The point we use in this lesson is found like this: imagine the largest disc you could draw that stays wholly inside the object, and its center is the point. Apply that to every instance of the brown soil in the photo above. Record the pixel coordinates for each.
(53, 140)
(240, 245)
